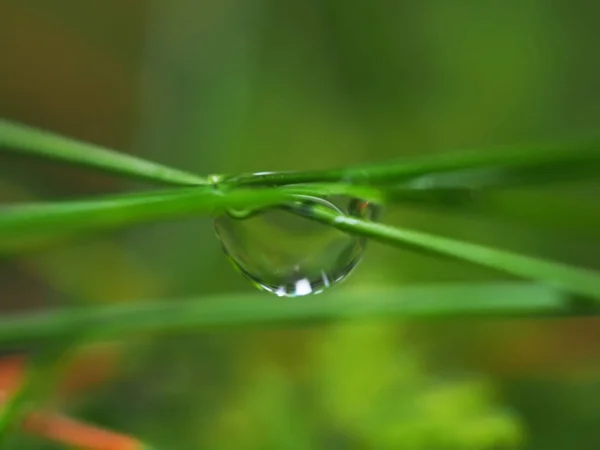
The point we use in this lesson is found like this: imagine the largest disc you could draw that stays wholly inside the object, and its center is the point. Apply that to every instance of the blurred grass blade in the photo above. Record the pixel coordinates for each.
(430, 301)
(568, 211)
(31, 141)
(27, 225)
(75, 434)
(504, 167)
(569, 278)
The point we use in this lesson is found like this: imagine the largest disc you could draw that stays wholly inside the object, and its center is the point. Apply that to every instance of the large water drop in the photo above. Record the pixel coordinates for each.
(289, 255)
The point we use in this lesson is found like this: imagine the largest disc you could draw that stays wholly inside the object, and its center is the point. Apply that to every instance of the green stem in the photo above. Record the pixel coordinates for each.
(32, 224)
(428, 302)
(24, 226)
(565, 277)
(26, 140)
(508, 167)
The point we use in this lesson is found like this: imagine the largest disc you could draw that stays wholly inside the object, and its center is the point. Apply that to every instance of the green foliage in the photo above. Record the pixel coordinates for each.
(364, 393)
(230, 87)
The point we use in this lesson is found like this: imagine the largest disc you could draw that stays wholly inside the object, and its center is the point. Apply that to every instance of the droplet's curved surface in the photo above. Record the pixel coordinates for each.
(289, 255)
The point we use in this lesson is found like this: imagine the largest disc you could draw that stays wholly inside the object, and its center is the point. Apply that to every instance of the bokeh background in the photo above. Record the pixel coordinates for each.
(234, 86)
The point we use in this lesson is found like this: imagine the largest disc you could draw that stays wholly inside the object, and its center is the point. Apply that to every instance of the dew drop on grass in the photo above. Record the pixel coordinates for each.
(289, 255)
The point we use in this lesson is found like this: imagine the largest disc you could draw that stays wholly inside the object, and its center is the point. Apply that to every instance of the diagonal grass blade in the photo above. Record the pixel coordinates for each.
(32, 141)
(27, 225)
(571, 279)
(534, 165)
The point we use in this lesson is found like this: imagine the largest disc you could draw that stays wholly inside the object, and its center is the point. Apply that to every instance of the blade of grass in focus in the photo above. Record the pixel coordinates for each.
(425, 302)
(32, 141)
(571, 279)
(28, 225)
(533, 165)
(21, 225)
(32, 224)
(536, 164)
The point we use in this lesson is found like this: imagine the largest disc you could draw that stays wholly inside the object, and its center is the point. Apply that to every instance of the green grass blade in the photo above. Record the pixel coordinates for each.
(569, 278)
(418, 302)
(24, 226)
(506, 167)
(31, 141)
(540, 209)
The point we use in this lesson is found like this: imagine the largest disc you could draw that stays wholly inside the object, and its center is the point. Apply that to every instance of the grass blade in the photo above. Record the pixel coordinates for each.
(32, 141)
(572, 279)
(541, 209)
(424, 302)
(32, 224)
(506, 167)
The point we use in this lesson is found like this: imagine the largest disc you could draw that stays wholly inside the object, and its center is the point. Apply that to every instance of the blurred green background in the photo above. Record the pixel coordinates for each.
(239, 86)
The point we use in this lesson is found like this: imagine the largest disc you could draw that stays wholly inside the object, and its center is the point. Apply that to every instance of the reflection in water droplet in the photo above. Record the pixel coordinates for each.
(290, 255)
(215, 178)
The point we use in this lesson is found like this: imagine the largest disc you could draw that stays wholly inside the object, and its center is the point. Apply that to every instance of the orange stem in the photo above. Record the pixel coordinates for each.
(77, 434)
(61, 428)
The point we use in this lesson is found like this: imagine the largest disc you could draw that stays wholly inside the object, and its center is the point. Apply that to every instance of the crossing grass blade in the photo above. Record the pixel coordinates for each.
(542, 209)
(416, 302)
(24, 226)
(27, 140)
(532, 165)
(562, 276)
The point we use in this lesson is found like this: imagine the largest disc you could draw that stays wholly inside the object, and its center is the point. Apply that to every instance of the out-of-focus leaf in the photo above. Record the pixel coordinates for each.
(431, 301)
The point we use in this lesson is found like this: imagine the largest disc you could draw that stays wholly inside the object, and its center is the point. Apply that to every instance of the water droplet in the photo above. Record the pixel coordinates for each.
(215, 179)
(290, 255)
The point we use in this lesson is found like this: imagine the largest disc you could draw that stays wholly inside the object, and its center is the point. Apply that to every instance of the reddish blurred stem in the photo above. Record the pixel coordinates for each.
(60, 428)
(77, 434)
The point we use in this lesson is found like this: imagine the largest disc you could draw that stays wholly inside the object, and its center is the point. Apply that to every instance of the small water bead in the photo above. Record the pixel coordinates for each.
(289, 255)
